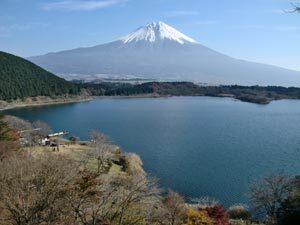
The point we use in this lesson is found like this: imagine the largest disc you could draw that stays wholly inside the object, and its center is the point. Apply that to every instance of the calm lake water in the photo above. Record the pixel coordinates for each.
(198, 146)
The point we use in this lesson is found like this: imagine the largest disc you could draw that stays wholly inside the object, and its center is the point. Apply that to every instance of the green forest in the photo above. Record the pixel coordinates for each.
(254, 94)
(21, 78)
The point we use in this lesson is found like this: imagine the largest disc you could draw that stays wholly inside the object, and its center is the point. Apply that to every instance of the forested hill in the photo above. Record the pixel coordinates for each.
(254, 94)
(20, 78)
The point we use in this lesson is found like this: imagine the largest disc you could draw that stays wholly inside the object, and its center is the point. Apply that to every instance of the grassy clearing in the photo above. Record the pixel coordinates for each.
(79, 153)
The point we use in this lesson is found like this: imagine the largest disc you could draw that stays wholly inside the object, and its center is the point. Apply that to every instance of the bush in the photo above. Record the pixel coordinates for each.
(239, 212)
(198, 217)
(123, 162)
(219, 214)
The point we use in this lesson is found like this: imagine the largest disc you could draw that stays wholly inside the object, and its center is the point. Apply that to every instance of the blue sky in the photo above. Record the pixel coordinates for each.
(256, 30)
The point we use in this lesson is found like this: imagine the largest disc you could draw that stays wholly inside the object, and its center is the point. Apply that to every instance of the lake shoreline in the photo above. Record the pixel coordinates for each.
(43, 101)
(252, 94)
(23, 104)
(4, 105)
(155, 95)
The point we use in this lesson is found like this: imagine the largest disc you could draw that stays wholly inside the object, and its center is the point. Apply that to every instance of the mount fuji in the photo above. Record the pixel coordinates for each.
(158, 51)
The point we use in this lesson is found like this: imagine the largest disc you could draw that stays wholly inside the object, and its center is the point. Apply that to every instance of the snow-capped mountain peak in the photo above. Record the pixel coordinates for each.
(157, 31)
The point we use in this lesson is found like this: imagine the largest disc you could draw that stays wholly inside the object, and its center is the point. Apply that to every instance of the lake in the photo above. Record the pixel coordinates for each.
(198, 146)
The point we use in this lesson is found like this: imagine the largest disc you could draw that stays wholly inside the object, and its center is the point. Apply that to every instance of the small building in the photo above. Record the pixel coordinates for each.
(46, 141)
(50, 139)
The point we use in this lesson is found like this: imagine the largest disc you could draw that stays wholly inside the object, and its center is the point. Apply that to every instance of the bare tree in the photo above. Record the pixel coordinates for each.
(33, 189)
(31, 132)
(291, 207)
(4, 129)
(102, 149)
(115, 200)
(135, 165)
(9, 139)
(268, 195)
(90, 199)
(44, 128)
(135, 198)
(17, 123)
(174, 209)
(24, 127)
(296, 8)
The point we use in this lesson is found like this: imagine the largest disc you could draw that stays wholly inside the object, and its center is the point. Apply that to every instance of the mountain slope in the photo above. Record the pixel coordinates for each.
(159, 51)
(21, 78)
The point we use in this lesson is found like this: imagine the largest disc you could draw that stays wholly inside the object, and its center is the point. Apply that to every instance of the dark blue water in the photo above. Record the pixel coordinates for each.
(198, 146)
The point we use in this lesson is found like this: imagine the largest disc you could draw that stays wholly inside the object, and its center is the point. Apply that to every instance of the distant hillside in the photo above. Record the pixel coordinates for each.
(21, 78)
(254, 94)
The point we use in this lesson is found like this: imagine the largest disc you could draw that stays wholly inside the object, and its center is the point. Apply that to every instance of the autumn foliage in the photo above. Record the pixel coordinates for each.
(209, 215)
(8, 139)
(219, 214)
(6, 132)
(198, 217)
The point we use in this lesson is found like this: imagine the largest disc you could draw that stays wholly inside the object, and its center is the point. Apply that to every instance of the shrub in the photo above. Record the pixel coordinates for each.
(173, 209)
(237, 212)
(123, 162)
(74, 140)
(198, 217)
(135, 165)
(219, 214)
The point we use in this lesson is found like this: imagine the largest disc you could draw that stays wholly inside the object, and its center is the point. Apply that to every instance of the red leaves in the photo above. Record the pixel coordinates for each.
(218, 214)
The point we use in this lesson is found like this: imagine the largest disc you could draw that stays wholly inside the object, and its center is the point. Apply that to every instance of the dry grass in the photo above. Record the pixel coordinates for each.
(77, 152)
(72, 150)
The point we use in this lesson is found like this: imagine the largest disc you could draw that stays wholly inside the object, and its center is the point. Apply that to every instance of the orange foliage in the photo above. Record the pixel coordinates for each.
(14, 135)
(219, 214)
(196, 217)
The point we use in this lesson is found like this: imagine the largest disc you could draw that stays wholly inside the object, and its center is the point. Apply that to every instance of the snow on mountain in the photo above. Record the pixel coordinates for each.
(158, 51)
(157, 31)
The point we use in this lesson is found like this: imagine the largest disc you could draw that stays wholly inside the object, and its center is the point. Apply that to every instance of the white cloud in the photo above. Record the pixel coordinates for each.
(78, 5)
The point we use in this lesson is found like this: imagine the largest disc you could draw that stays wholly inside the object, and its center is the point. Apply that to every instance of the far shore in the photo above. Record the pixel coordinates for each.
(152, 95)
(30, 103)
(58, 100)
(42, 101)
